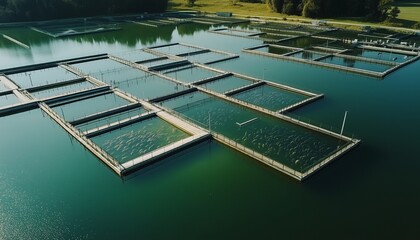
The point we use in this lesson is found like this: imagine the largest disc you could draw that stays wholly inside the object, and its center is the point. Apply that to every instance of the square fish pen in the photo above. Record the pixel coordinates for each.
(65, 28)
(192, 53)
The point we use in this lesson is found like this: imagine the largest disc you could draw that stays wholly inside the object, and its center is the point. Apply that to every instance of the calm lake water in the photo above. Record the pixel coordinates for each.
(52, 188)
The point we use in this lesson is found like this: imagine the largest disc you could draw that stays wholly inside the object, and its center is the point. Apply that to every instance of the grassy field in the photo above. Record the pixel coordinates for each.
(250, 9)
(410, 11)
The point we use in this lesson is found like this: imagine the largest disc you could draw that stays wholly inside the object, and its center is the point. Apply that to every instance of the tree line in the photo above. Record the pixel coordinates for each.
(378, 10)
(32, 10)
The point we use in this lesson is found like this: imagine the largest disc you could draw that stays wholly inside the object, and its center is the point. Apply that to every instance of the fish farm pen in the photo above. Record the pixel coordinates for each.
(115, 103)
(101, 100)
(197, 126)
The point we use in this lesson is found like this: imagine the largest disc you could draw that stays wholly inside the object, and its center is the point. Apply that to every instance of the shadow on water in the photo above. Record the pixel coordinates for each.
(130, 35)
(177, 160)
(192, 28)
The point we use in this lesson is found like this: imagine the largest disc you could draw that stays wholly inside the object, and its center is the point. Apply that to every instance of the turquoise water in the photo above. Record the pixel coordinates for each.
(307, 55)
(226, 84)
(122, 75)
(191, 74)
(111, 119)
(8, 99)
(269, 97)
(140, 138)
(150, 87)
(52, 188)
(63, 90)
(275, 50)
(303, 42)
(158, 62)
(176, 49)
(135, 56)
(89, 106)
(379, 55)
(100, 67)
(42, 77)
(376, 67)
(206, 57)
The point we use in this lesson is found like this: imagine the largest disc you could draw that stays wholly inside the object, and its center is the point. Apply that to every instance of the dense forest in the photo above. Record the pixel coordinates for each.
(379, 10)
(29, 10)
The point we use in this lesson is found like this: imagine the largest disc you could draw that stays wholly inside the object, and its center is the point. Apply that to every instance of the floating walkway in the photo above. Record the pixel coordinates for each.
(317, 63)
(44, 65)
(106, 113)
(197, 133)
(75, 95)
(86, 142)
(15, 41)
(211, 79)
(244, 88)
(71, 32)
(18, 107)
(8, 83)
(163, 152)
(181, 56)
(351, 143)
(55, 85)
(119, 124)
(173, 95)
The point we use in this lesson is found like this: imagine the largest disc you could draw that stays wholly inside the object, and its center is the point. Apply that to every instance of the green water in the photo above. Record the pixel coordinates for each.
(272, 36)
(226, 84)
(303, 42)
(63, 90)
(149, 87)
(63, 29)
(135, 56)
(243, 33)
(206, 57)
(100, 67)
(80, 109)
(8, 99)
(307, 55)
(42, 77)
(157, 62)
(176, 49)
(191, 74)
(376, 67)
(274, 50)
(288, 144)
(111, 119)
(271, 98)
(121, 75)
(51, 188)
(379, 55)
(137, 139)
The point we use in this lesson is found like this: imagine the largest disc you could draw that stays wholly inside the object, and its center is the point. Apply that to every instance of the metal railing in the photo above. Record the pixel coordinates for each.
(82, 138)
